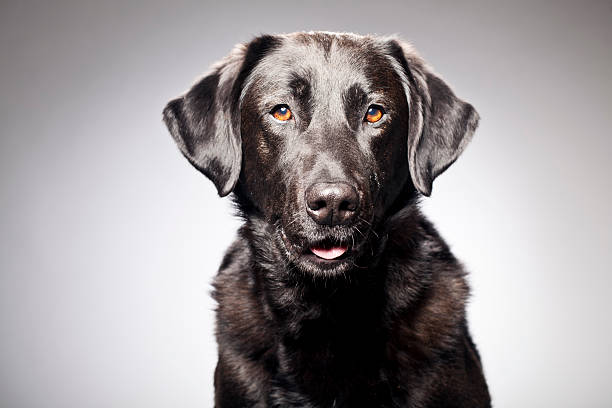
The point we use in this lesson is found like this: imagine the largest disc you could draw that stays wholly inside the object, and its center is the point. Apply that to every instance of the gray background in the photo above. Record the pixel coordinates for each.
(109, 238)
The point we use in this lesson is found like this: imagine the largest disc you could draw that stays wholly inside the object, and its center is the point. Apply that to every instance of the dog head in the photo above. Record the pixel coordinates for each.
(321, 135)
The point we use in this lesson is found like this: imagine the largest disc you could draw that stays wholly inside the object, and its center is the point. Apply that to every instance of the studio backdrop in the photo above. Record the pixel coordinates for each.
(109, 239)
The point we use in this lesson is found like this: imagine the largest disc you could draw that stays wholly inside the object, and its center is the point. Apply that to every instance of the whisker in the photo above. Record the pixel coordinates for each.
(295, 218)
(357, 266)
(364, 220)
(371, 227)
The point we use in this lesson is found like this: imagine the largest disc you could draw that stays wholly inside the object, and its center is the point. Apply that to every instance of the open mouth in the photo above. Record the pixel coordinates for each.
(324, 252)
(329, 252)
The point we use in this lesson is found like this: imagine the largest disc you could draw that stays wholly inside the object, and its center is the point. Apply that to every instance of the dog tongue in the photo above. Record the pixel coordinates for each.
(329, 253)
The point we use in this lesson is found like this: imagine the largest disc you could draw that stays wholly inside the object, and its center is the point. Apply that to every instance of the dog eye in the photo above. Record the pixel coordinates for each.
(374, 114)
(281, 112)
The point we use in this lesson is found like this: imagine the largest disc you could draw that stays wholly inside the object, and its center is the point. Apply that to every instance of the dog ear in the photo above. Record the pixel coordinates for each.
(205, 121)
(441, 124)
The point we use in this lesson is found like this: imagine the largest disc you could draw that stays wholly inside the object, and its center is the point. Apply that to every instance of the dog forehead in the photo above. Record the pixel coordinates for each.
(327, 61)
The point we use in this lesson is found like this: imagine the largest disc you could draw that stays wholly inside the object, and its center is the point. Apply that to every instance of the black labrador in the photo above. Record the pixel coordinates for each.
(337, 292)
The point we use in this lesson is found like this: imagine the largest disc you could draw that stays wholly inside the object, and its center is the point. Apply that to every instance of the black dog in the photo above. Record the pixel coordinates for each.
(338, 292)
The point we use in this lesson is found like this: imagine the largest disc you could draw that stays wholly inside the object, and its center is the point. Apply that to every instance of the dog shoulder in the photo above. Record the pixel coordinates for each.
(426, 285)
(240, 315)
(243, 335)
(428, 291)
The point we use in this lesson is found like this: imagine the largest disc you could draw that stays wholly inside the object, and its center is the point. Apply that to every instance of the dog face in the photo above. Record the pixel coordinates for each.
(321, 134)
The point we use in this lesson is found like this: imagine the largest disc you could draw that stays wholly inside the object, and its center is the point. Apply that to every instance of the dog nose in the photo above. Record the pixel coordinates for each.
(332, 203)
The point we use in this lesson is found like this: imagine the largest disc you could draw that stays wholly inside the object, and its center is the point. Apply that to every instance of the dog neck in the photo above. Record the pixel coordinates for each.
(297, 299)
(364, 316)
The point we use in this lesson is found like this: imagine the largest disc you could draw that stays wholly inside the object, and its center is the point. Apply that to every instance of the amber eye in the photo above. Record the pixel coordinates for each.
(281, 112)
(374, 114)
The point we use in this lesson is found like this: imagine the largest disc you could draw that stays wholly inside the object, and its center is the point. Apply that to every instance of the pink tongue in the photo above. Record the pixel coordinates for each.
(329, 253)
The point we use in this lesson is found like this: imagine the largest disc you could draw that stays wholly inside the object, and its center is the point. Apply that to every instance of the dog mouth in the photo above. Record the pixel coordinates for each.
(329, 253)
(325, 249)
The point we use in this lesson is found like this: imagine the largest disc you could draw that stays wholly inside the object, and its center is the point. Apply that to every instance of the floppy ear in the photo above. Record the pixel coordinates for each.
(205, 122)
(441, 125)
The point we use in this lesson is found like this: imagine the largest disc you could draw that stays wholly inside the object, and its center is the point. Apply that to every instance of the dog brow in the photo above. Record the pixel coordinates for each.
(301, 89)
(354, 99)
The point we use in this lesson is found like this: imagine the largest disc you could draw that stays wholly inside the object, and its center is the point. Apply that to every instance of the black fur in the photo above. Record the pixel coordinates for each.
(383, 325)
